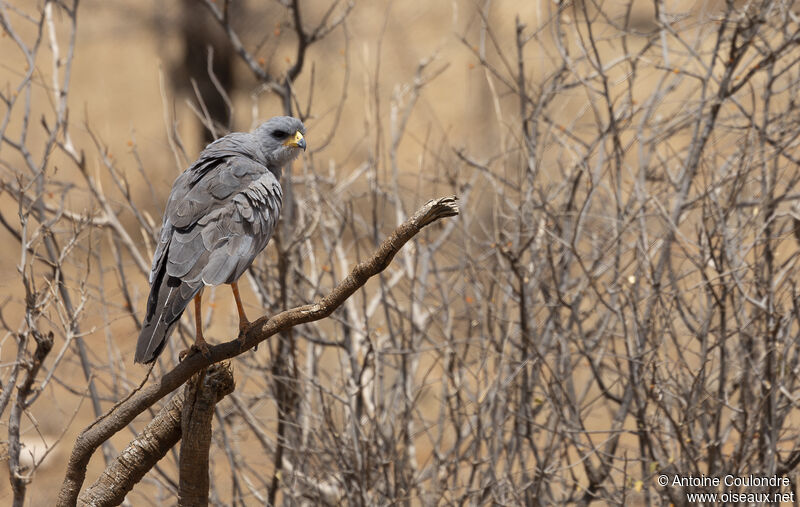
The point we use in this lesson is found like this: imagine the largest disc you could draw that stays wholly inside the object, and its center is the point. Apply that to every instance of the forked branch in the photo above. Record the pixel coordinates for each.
(155, 440)
(262, 329)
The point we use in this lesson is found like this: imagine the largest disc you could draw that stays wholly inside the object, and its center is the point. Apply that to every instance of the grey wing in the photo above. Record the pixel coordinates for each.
(161, 247)
(213, 229)
(229, 217)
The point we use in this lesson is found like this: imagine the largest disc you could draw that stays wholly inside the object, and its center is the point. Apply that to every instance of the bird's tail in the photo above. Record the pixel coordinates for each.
(165, 305)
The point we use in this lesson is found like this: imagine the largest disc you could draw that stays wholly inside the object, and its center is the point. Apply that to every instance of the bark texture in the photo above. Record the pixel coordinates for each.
(198, 411)
(155, 440)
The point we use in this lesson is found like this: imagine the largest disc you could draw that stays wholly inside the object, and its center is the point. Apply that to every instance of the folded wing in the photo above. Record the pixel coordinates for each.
(214, 226)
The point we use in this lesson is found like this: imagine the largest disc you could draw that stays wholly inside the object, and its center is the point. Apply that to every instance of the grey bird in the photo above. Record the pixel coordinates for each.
(220, 214)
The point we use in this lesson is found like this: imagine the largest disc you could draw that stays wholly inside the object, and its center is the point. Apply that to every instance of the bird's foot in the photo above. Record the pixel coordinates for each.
(199, 346)
(244, 326)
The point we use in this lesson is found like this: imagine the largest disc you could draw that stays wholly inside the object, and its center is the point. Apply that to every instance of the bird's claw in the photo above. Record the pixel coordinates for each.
(201, 347)
(243, 328)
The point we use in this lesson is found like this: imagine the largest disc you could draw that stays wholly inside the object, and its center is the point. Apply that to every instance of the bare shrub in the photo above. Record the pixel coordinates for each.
(616, 301)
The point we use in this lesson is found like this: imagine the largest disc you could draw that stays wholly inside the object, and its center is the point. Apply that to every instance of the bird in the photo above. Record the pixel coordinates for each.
(219, 216)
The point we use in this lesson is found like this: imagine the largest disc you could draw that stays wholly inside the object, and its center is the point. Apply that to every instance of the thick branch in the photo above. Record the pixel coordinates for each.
(153, 442)
(201, 395)
(101, 430)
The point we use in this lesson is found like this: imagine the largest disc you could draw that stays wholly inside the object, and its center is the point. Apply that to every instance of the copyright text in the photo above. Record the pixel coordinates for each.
(741, 484)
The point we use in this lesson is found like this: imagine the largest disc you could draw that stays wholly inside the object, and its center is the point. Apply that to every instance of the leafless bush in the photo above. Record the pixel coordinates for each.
(617, 300)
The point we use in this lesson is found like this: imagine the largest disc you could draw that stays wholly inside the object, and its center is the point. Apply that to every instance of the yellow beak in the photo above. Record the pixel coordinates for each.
(297, 141)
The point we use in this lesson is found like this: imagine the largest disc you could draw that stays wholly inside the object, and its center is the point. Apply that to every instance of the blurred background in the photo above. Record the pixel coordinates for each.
(617, 299)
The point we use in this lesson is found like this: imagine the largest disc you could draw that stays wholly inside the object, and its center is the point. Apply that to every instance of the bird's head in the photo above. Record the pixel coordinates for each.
(281, 139)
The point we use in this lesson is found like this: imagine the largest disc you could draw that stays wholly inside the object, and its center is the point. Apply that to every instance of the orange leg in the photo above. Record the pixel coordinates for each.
(199, 342)
(243, 322)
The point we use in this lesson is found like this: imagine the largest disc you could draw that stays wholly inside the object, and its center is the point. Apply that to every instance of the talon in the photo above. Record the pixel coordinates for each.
(201, 347)
(242, 334)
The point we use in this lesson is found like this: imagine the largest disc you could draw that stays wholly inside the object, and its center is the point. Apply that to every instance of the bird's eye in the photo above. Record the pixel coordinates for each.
(278, 134)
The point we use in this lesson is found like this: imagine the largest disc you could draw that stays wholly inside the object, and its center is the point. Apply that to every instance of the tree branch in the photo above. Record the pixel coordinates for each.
(201, 394)
(160, 435)
(262, 329)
